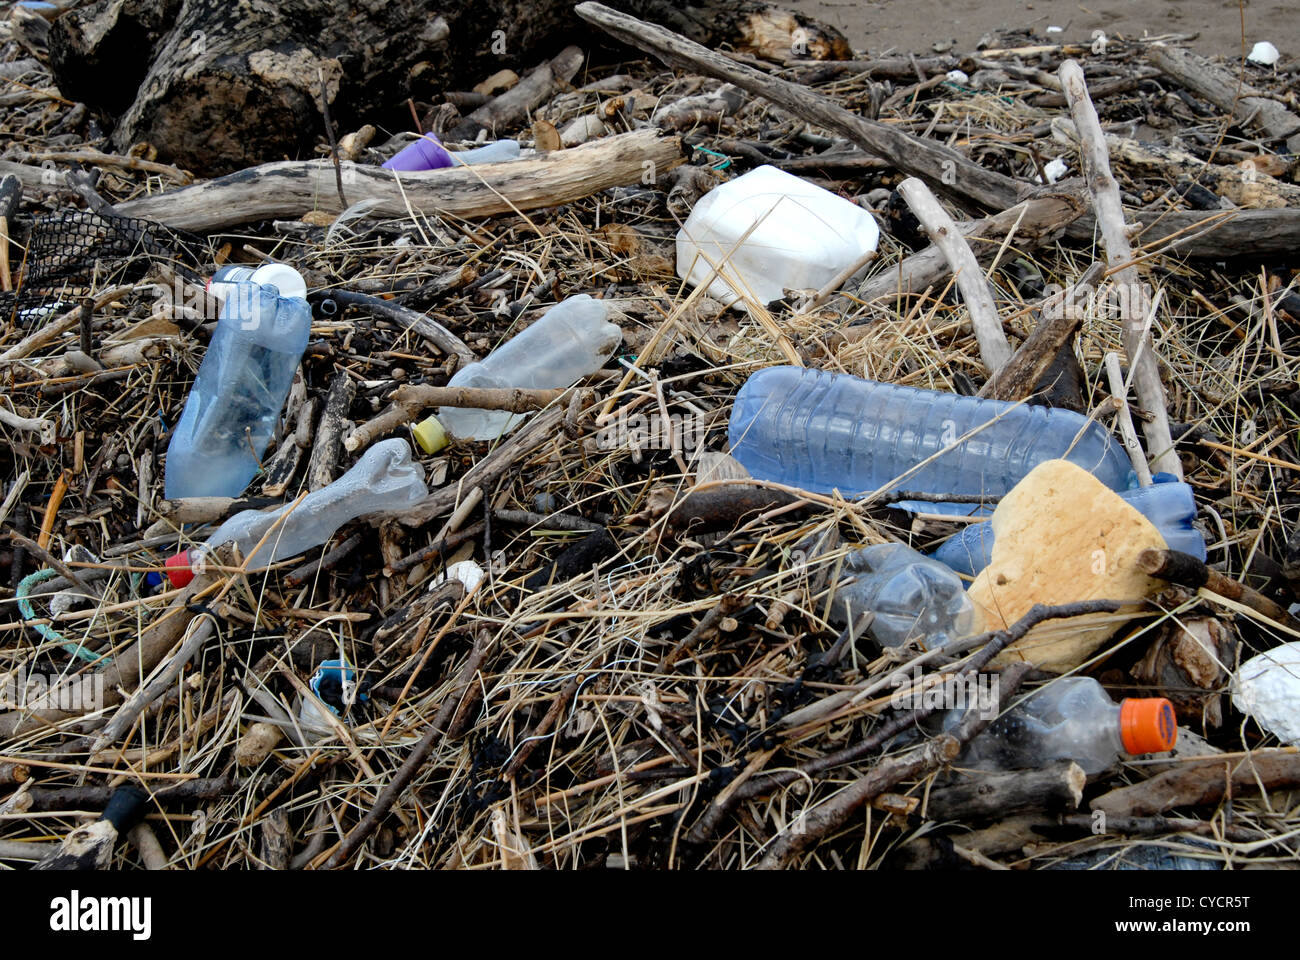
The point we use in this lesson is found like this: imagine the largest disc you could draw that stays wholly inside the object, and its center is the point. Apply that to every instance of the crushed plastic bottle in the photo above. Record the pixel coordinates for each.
(235, 403)
(573, 339)
(770, 231)
(428, 153)
(385, 478)
(1071, 719)
(1169, 505)
(824, 431)
(911, 595)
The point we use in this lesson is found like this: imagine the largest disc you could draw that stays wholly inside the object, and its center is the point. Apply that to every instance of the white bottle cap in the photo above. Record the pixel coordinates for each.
(288, 280)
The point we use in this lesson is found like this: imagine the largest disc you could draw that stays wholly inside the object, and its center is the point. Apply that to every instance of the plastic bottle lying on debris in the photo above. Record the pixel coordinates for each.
(1071, 719)
(1169, 505)
(574, 338)
(234, 405)
(911, 595)
(824, 431)
(385, 478)
(770, 231)
(428, 153)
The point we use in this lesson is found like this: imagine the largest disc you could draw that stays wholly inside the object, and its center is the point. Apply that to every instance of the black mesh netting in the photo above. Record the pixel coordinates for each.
(70, 253)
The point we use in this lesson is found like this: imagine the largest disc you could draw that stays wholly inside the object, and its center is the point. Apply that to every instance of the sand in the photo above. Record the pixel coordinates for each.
(914, 25)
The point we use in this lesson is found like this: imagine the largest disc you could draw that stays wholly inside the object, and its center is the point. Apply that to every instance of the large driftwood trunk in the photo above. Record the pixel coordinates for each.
(217, 85)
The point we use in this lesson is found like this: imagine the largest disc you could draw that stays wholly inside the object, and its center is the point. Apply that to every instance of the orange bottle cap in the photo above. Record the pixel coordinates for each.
(1147, 725)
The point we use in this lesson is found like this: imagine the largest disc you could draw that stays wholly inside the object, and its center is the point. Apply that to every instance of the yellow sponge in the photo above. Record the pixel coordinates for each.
(1061, 536)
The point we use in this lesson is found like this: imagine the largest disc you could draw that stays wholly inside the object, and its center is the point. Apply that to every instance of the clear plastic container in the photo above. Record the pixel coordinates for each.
(1071, 719)
(911, 595)
(428, 153)
(573, 339)
(235, 403)
(385, 478)
(1170, 506)
(771, 231)
(824, 431)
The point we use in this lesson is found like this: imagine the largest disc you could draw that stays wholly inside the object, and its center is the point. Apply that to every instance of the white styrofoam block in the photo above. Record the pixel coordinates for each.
(802, 236)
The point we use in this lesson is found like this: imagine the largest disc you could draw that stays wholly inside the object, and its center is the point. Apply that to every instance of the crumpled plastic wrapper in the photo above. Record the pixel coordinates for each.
(1268, 688)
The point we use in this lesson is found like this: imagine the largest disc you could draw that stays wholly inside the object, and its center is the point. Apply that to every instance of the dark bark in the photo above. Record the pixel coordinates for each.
(218, 85)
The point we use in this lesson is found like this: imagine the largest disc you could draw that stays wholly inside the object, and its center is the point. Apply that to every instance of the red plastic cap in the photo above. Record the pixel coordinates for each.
(1147, 725)
(178, 569)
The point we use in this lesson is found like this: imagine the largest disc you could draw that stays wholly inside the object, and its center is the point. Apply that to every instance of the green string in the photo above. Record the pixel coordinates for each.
(726, 160)
(49, 633)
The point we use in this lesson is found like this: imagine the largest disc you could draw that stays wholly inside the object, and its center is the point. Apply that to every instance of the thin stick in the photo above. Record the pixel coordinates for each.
(52, 511)
(1187, 571)
(6, 279)
(995, 351)
(1118, 392)
(409, 400)
(395, 787)
(1095, 160)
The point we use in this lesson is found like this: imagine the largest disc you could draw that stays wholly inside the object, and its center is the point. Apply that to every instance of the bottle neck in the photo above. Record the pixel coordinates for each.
(1115, 732)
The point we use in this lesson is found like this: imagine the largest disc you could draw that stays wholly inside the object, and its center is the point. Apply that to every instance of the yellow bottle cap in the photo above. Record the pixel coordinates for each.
(430, 435)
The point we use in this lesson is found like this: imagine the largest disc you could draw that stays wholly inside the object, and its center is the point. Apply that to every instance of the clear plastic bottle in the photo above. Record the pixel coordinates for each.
(822, 431)
(574, 338)
(911, 595)
(235, 403)
(1072, 718)
(428, 153)
(384, 478)
(771, 231)
(1170, 506)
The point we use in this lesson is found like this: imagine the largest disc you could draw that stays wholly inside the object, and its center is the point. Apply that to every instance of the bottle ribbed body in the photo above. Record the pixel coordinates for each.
(821, 431)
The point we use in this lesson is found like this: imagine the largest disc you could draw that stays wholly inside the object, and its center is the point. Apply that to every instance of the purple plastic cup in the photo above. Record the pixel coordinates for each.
(427, 153)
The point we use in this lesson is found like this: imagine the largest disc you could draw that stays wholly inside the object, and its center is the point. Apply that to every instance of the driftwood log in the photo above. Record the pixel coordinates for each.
(293, 187)
(1059, 320)
(1034, 222)
(1223, 89)
(218, 85)
(1242, 232)
(915, 156)
(1203, 783)
(988, 796)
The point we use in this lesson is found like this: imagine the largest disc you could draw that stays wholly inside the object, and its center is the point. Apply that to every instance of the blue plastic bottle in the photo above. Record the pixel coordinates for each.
(232, 410)
(821, 431)
(1170, 506)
